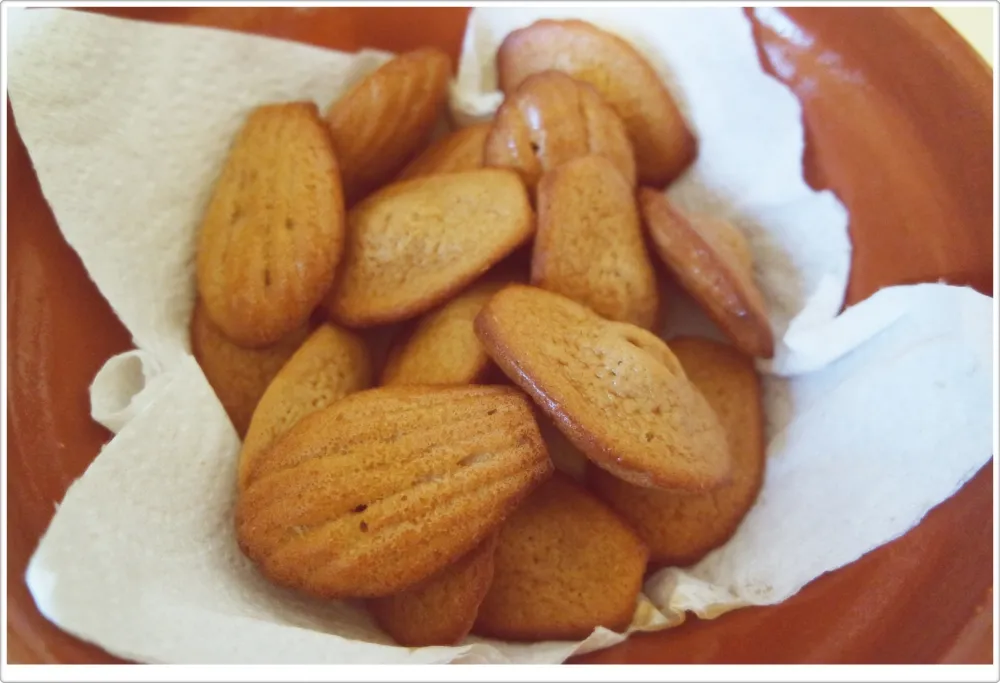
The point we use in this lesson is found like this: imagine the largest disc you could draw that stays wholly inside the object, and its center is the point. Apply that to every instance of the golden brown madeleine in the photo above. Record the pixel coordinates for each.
(710, 258)
(415, 244)
(589, 245)
(564, 565)
(663, 144)
(549, 120)
(461, 150)
(387, 117)
(273, 233)
(443, 347)
(681, 529)
(330, 364)
(387, 487)
(615, 390)
(238, 376)
(440, 610)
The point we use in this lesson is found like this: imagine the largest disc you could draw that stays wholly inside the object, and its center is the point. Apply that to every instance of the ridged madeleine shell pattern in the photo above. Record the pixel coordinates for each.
(388, 486)
(384, 120)
(330, 364)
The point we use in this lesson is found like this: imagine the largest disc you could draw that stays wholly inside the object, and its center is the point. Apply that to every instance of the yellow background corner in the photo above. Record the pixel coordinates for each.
(976, 24)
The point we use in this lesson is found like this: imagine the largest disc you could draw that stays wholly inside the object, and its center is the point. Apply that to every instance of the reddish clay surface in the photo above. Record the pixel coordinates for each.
(898, 119)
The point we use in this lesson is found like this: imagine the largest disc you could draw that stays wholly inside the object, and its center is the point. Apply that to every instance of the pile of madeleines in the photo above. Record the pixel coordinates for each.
(407, 337)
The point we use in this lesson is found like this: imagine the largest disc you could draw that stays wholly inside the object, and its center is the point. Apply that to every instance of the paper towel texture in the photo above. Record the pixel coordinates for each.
(127, 125)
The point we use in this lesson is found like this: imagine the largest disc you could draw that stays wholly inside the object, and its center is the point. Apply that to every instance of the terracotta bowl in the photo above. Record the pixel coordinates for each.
(898, 113)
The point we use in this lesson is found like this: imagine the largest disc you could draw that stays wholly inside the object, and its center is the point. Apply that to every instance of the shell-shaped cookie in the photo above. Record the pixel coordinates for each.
(550, 119)
(461, 150)
(663, 144)
(564, 565)
(442, 609)
(331, 364)
(615, 390)
(387, 487)
(443, 347)
(681, 529)
(416, 243)
(273, 233)
(387, 117)
(589, 245)
(238, 376)
(710, 258)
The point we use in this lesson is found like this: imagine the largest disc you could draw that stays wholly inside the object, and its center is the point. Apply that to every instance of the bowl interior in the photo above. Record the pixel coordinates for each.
(898, 113)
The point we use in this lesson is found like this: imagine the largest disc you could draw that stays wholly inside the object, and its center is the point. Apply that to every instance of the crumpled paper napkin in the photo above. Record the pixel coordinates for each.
(875, 415)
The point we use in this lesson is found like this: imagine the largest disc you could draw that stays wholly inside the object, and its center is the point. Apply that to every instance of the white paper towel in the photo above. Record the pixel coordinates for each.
(127, 124)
